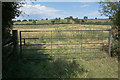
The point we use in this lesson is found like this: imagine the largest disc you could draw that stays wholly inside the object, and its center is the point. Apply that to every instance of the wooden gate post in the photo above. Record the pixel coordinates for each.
(109, 42)
(20, 45)
(15, 40)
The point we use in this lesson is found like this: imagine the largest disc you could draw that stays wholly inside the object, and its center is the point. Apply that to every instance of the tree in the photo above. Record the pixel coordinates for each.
(24, 20)
(77, 21)
(46, 18)
(53, 22)
(9, 12)
(30, 20)
(59, 19)
(109, 8)
(82, 21)
(18, 20)
(71, 17)
(110, 17)
(95, 17)
(112, 10)
(85, 17)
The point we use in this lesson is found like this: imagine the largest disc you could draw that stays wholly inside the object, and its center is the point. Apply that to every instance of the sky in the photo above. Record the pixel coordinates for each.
(51, 10)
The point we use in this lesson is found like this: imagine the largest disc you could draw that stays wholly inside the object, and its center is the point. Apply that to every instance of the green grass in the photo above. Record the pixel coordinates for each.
(68, 62)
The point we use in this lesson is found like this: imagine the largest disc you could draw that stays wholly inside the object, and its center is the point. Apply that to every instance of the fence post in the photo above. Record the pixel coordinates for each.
(20, 45)
(109, 43)
(24, 41)
(15, 40)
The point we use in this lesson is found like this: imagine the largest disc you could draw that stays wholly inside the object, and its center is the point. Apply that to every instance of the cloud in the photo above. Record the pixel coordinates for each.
(94, 13)
(69, 0)
(84, 6)
(38, 11)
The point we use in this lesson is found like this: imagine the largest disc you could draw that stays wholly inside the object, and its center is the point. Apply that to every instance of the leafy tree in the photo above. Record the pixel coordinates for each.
(9, 12)
(46, 18)
(112, 10)
(18, 20)
(24, 20)
(59, 19)
(77, 21)
(85, 17)
(68, 19)
(109, 8)
(71, 17)
(110, 17)
(30, 20)
(95, 17)
(82, 21)
(53, 22)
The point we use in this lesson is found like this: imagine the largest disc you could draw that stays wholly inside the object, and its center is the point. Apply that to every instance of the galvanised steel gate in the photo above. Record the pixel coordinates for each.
(64, 42)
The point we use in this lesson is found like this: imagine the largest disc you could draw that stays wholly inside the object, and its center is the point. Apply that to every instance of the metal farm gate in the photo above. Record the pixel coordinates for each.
(70, 43)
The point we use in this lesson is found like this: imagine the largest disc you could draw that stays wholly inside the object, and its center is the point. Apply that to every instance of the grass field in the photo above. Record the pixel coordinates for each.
(63, 64)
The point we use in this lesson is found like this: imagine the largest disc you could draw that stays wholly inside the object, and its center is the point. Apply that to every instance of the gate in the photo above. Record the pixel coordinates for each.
(64, 43)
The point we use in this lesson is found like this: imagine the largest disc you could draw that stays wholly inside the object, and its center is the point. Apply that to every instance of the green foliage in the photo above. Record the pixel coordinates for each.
(18, 20)
(109, 8)
(83, 21)
(24, 20)
(115, 48)
(46, 18)
(59, 19)
(110, 17)
(34, 22)
(112, 10)
(53, 22)
(77, 21)
(85, 17)
(30, 20)
(9, 11)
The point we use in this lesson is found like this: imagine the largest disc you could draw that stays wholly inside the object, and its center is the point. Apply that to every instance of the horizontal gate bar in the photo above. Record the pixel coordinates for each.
(58, 38)
(43, 54)
(77, 53)
(61, 58)
(38, 58)
(60, 30)
(64, 44)
(70, 53)
(61, 49)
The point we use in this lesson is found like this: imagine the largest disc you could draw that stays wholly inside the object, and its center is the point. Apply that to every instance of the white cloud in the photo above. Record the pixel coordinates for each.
(84, 5)
(94, 13)
(40, 11)
(70, 0)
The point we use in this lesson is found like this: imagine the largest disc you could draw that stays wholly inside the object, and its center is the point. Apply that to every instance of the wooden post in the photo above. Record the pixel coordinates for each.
(15, 40)
(24, 41)
(109, 43)
(20, 45)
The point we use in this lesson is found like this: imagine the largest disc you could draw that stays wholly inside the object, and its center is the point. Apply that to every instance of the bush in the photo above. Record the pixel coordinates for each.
(115, 48)
(24, 20)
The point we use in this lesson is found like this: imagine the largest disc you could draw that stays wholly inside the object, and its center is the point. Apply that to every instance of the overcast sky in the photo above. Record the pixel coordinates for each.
(50, 10)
